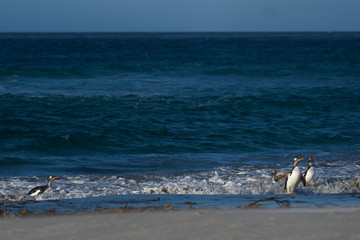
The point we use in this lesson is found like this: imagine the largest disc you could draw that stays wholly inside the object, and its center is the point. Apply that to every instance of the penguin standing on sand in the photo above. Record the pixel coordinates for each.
(41, 189)
(308, 176)
(293, 177)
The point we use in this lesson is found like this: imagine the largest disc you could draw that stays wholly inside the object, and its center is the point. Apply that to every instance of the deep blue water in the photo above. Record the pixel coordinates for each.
(152, 106)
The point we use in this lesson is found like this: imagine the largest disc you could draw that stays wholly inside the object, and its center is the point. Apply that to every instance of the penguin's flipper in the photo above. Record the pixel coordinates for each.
(303, 180)
(282, 176)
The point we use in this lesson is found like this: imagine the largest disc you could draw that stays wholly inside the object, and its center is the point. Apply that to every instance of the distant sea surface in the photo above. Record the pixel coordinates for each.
(188, 113)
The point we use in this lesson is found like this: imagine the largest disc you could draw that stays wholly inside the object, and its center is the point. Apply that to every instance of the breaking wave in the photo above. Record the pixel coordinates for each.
(238, 181)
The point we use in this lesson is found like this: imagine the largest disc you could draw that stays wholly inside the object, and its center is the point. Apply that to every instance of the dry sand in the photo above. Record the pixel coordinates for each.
(190, 224)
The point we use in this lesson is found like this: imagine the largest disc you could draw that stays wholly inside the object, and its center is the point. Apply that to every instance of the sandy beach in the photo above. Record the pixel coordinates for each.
(337, 223)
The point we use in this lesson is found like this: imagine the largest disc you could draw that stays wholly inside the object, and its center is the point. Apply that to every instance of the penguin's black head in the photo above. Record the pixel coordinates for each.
(296, 161)
(311, 159)
(273, 174)
(53, 178)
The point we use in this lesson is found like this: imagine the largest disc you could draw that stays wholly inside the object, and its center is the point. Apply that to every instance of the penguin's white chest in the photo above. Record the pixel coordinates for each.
(310, 175)
(35, 193)
(293, 180)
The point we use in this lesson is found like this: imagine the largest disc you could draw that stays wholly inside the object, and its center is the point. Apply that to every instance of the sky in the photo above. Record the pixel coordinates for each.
(178, 15)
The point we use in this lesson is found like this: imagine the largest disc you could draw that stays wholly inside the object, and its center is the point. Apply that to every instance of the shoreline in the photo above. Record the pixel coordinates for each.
(285, 223)
(160, 202)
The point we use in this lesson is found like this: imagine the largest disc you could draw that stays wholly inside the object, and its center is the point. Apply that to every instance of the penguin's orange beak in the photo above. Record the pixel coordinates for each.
(300, 159)
(57, 177)
(312, 159)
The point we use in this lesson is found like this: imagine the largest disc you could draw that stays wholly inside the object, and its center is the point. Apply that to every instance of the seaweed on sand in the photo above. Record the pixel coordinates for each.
(255, 204)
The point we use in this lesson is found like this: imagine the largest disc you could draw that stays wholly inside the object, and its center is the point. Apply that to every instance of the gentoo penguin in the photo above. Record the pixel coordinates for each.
(293, 177)
(308, 176)
(273, 176)
(41, 189)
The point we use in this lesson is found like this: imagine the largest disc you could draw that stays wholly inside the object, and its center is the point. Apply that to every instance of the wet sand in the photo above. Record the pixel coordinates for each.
(298, 223)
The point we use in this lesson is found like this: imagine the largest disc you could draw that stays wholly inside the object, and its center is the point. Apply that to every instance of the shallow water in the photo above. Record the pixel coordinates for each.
(332, 177)
(124, 203)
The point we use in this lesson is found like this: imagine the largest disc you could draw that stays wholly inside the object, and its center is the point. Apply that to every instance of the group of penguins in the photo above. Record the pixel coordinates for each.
(294, 176)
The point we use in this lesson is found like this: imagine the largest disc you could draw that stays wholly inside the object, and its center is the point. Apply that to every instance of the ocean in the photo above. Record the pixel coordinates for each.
(123, 114)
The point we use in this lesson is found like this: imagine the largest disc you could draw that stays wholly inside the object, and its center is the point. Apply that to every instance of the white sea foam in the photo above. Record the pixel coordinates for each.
(333, 180)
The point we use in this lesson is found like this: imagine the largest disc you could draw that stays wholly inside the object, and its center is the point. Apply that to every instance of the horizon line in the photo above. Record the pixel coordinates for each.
(142, 32)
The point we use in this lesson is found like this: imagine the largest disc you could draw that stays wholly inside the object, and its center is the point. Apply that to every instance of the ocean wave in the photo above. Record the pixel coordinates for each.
(165, 124)
(232, 181)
